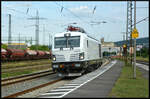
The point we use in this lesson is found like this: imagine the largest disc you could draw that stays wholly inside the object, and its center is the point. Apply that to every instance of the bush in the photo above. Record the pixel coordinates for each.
(4, 46)
(105, 53)
(144, 52)
(40, 47)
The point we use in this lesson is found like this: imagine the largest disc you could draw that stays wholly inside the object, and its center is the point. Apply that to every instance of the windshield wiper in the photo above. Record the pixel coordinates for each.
(71, 47)
(61, 48)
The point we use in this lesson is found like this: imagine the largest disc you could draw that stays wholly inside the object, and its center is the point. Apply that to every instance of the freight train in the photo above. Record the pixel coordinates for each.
(19, 54)
(74, 52)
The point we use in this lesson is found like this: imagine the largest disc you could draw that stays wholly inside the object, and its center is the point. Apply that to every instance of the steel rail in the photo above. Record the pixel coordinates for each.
(37, 87)
(142, 62)
(32, 89)
(8, 70)
(22, 78)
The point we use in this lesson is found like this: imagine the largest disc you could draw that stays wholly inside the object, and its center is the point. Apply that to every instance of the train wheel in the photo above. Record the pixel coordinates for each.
(97, 65)
(90, 69)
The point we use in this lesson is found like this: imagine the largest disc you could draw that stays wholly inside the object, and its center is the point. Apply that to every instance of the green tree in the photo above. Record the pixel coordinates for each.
(40, 47)
(113, 53)
(145, 52)
(4, 46)
(105, 53)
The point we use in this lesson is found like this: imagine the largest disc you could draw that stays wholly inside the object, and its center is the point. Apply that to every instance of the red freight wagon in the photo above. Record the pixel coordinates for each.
(47, 54)
(3, 54)
(40, 53)
(31, 54)
(16, 54)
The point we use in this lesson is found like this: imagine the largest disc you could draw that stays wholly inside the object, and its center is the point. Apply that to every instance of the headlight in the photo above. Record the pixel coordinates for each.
(67, 35)
(55, 66)
(81, 56)
(77, 65)
(54, 58)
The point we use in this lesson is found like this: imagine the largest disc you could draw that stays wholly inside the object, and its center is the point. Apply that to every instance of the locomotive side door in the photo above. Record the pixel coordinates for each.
(100, 50)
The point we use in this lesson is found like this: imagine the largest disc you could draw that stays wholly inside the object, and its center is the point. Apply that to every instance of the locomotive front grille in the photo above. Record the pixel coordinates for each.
(60, 58)
(74, 57)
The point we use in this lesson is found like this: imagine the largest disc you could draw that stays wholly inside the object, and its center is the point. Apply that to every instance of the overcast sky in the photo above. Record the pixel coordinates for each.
(59, 14)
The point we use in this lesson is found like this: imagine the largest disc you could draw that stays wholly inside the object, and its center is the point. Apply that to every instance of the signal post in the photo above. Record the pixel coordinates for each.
(135, 34)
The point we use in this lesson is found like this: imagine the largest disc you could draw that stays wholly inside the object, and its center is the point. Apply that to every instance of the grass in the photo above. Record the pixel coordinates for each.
(142, 58)
(127, 87)
(24, 63)
(21, 64)
(22, 72)
(7, 75)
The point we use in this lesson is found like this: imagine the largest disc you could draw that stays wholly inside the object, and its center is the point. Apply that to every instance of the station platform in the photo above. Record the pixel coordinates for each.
(96, 84)
(100, 86)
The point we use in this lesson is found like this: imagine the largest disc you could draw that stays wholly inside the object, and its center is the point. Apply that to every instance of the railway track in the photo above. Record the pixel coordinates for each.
(11, 61)
(140, 61)
(143, 62)
(13, 80)
(32, 89)
(21, 79)
(22, 68)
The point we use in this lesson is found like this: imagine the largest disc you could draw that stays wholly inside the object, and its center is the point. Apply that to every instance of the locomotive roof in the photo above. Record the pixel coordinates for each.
(72, 34)
(75, 34)
(77, 29)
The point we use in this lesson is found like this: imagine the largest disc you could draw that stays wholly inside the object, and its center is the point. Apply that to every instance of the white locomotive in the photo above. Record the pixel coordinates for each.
(74, 52)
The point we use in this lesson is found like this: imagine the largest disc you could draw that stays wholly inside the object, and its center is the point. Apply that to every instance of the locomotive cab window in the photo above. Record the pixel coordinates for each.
(74, 41)
(61, 42)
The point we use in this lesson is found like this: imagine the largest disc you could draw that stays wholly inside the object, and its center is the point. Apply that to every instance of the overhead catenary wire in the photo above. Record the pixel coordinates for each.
(76, 15)
(26, 14)
(19, 11)
(141, 20)
(72, 13)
